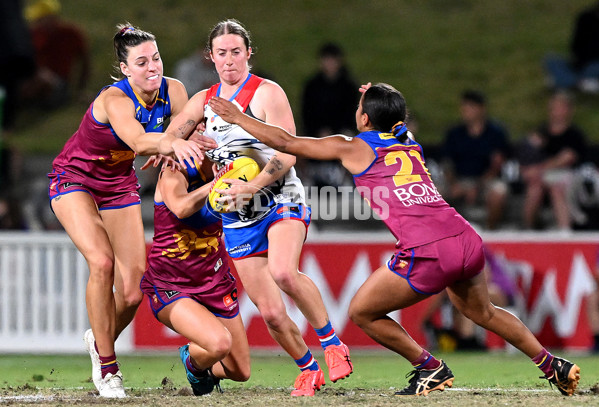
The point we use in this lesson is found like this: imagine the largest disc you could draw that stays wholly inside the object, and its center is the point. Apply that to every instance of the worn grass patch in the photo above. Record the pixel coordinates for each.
(482, 379)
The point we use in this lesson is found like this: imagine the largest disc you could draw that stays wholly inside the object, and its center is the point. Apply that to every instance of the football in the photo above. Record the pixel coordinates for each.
(243, 168)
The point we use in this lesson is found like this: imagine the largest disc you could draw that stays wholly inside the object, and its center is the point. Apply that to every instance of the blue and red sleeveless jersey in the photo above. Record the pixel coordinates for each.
(245, 93)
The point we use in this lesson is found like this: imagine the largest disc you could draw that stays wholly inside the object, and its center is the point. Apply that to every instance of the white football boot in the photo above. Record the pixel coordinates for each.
(111, 386)
(90, 345)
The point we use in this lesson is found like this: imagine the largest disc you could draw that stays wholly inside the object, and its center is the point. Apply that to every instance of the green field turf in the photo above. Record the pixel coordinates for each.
(480, 377)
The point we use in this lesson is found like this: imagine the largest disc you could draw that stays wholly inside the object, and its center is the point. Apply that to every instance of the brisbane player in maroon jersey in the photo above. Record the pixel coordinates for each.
(436, 247)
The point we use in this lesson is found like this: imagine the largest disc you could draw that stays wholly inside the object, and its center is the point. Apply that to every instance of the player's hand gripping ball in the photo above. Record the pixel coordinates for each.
(243, 168)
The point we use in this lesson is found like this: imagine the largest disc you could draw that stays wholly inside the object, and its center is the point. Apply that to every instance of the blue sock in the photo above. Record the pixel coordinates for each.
(307, 362)
(327, 336)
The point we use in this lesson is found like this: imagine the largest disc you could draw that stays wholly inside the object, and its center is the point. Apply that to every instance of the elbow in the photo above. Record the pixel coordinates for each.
(140, 147)
(181, 212)
(179, 209)
(288, 147)
(188, 207)
(286, 160)
(291, 160)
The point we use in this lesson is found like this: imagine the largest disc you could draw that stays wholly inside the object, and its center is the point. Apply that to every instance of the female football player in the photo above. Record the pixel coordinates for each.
(436, 247)
(265, 237)
(94, 190)
(189, 284)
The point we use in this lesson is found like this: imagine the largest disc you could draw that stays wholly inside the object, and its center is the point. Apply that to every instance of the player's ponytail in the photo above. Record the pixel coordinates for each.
(399, 128)
(400, 131)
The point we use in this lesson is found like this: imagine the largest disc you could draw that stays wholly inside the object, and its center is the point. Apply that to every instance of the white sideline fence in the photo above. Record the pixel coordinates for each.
(42, 294)
(43, 278)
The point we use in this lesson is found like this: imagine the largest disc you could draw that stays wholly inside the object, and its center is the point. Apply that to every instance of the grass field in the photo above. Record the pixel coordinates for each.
(489, 379)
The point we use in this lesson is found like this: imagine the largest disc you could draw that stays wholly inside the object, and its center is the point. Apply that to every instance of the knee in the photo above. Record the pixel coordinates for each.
(286, 279)
(222, 345)
(356, 314)
(101, 267)
(132, 297)
(242, 374)
(219, 345)
(274, 316)
(130, 293)
(480, 316)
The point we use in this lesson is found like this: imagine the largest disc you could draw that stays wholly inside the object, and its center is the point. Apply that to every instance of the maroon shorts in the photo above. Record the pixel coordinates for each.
(61, 185)
(221, 300)
(432, 267)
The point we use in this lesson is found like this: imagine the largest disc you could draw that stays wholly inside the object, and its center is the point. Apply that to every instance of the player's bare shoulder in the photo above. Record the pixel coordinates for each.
(110, 102)
(268, 93)
(270, 104)
(199, 98)
(195, 107)
(177, 93)
(175, 86)
(269, 89)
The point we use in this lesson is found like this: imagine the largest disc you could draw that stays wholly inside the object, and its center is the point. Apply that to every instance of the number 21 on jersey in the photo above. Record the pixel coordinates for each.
(405, 175)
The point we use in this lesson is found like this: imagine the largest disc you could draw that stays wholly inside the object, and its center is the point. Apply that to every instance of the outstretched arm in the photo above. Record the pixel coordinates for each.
(327, 148)
(115, 107)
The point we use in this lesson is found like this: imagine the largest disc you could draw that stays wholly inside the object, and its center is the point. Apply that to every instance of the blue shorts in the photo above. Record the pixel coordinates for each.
(253, 240)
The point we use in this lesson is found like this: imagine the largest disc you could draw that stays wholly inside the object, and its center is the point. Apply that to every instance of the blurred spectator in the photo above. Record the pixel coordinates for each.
(329, 103)
(581, 68)
(548, 158)
(16, 64)
(11, 216)
(196, 71)
(586, 195)
(16, 59)
(62, 56)
(474, 152)
(330, 97)
(432, 152)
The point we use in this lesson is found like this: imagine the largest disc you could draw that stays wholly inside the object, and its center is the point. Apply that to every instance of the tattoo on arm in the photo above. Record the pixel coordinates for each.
(274, 165)
(184, 128)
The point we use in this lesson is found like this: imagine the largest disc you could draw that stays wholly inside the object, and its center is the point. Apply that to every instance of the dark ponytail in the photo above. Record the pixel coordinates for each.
(400, 131)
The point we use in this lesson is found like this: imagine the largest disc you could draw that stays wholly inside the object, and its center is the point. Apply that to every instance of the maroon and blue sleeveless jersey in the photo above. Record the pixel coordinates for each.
(399, 188)
(95, 155)
(187, 255)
